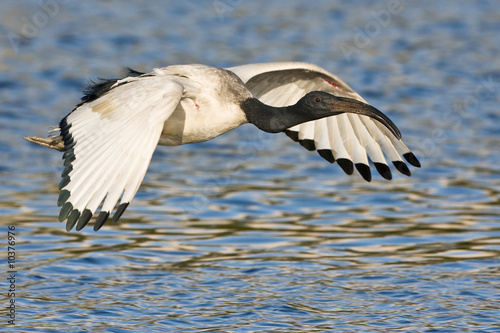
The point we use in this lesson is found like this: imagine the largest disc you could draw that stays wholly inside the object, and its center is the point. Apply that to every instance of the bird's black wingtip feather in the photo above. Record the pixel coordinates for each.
(84, 219)
(346, 165)
(412, 159)
(119, 211)
(402, 167)
(364, 170)
(308, 144)
(69, 159)
(65, 210)
(63, 197)
(292, 135)
(101, 219)
(64, 126)
(327, 155)
(65, 181)
(383, 170)
(67, 169)
(72, 218)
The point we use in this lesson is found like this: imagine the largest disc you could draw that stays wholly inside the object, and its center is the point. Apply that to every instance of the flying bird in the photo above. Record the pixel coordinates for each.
(109, 138)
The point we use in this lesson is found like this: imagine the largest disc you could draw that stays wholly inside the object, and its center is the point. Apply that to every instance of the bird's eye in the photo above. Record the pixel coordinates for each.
(317, 99)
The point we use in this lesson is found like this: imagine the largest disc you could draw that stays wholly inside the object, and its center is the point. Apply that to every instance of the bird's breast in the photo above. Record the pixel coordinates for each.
(197, 121)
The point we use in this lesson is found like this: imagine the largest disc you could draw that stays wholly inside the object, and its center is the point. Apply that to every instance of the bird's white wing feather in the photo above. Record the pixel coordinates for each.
(109, 143)
(346, 138)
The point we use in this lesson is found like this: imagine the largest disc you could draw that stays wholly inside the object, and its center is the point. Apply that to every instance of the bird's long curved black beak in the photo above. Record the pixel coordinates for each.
(349, 105)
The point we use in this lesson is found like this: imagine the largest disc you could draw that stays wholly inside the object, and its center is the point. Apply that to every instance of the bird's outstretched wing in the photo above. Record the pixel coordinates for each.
(109, 140)
(347, 138)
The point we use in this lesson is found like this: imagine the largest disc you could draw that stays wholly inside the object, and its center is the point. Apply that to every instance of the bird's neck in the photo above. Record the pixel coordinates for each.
(272, 119)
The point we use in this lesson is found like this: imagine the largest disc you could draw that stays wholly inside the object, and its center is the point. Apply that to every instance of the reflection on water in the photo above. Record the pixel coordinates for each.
(250, 232)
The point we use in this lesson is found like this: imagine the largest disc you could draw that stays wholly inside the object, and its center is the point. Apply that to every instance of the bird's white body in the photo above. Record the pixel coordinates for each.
(205, 110)
(110, 137)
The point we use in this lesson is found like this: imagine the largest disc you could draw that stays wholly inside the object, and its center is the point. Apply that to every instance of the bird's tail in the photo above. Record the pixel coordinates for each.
(53, 142)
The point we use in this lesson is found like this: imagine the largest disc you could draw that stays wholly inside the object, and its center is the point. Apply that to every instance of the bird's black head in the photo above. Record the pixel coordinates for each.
(319, 104)
(314, 105)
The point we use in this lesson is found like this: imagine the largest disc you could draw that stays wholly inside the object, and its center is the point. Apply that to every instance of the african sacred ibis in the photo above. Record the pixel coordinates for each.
(109, 138)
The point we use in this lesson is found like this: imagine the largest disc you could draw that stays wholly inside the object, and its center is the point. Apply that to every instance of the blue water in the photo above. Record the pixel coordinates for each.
(250, 232)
